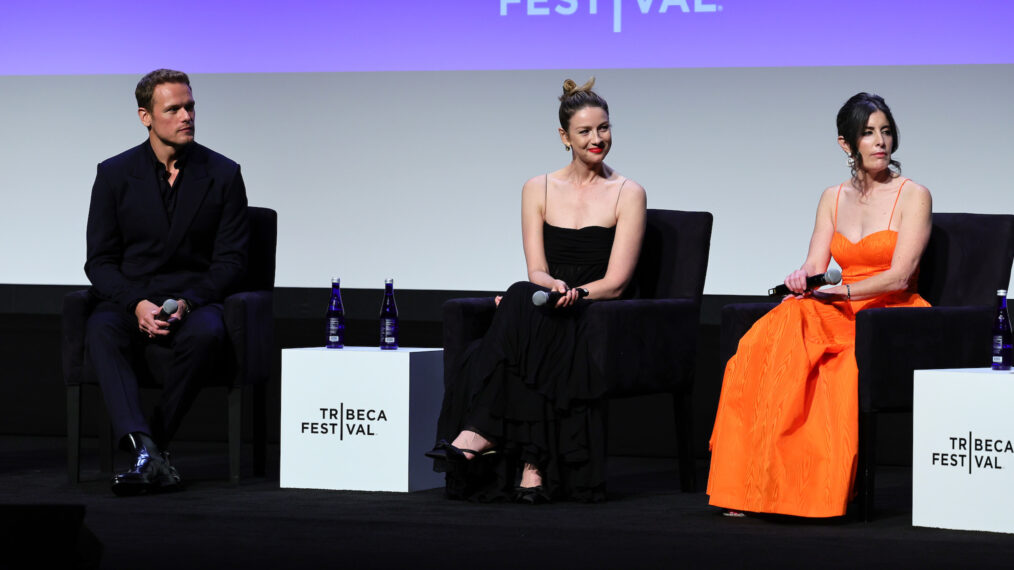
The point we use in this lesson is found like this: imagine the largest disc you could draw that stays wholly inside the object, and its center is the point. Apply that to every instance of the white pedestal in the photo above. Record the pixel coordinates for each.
(360, 418)
(963, 449)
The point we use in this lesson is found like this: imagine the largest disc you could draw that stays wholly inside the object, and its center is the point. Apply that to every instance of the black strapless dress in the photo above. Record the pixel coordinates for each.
(528, 384)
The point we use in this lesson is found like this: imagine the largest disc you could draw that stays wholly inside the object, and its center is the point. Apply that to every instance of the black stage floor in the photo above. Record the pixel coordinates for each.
(647, 523)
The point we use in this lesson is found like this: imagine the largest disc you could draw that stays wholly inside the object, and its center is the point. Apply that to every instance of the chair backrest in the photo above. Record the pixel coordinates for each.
(260, 265)
(968, 258)
(674, 256)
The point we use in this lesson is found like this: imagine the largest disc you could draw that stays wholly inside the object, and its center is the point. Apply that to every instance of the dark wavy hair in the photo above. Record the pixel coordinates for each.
(852, 119)
(575, 98)
(145, 90)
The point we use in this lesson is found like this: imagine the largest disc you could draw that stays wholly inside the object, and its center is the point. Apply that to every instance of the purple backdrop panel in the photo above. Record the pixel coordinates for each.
(220, 36)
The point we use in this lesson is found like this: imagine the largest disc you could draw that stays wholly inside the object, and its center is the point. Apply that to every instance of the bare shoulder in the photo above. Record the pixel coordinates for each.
(916, 191)
(631, 191)
(828, 197)
(916, 201)
(535, 182)
(831, 192)
(631, 185)
(632, 203)
(534, 191)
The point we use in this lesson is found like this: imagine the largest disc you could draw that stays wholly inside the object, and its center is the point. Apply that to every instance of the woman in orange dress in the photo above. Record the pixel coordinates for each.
(785, 437)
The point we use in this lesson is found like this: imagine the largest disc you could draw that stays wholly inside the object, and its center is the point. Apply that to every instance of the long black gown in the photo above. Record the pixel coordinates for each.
(528, 384)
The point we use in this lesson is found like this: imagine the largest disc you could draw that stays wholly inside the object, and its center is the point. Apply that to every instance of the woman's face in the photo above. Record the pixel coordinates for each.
(589, 135)
(875, 143)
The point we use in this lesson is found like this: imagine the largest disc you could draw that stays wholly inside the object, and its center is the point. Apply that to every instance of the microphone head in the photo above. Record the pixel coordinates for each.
(539, 298)
(170, 306)
(832, 277)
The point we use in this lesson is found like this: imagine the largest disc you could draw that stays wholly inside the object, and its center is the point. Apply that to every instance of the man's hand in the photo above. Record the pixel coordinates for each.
(146, 313)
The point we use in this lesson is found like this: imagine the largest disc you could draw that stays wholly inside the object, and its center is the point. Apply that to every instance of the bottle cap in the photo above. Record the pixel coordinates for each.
(389, 281)
(1001, 292)
(335, 280)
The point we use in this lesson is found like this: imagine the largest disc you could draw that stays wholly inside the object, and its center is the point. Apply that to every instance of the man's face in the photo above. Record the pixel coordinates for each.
(171, 118)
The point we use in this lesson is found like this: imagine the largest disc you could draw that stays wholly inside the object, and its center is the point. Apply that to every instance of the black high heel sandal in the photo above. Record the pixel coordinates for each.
(463, 476)
(439, 451)
(531, 495)
(444, 450)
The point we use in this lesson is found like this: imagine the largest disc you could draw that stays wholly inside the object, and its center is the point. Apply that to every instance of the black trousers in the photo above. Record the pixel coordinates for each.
(114, 346)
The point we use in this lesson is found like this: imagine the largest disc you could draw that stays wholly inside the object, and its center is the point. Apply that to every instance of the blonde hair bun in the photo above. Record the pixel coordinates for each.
(571, 88)
(575, 98)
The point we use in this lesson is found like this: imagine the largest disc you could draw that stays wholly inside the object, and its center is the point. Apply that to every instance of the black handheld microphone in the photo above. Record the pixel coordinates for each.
(169, 309)
(540, 298)
(832, 277)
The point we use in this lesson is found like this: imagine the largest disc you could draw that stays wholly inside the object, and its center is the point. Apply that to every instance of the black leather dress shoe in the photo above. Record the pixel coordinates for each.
(151, 471)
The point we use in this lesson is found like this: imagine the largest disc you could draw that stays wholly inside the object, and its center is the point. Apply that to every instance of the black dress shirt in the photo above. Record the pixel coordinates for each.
(168, 191)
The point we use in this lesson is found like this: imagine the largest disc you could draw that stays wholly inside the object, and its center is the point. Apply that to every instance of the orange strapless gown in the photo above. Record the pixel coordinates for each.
(785, 437)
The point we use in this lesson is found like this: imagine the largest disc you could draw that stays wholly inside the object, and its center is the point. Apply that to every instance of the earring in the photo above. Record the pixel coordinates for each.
(567, 147)
(852, 162)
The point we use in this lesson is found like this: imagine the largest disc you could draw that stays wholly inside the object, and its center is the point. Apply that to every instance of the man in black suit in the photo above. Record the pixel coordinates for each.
(167, 220)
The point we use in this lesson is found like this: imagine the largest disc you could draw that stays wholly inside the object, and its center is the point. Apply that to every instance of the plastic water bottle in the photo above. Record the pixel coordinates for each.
(389, 318)
(335, 316)
(1001, 333)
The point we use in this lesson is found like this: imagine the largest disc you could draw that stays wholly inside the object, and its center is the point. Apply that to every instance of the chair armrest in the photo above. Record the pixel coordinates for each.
(465, 320)
(737, 318)
(77, 305)
(641, 346)
(892, 342)
(249, 322)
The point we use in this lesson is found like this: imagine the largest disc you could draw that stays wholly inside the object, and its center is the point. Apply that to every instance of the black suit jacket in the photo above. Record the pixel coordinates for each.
(136, 253)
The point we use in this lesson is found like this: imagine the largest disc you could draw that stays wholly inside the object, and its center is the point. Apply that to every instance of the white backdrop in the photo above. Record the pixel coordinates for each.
(417, 175)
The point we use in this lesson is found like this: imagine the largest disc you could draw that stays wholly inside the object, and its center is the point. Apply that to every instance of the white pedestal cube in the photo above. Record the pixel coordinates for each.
(963, 449)
(360, 418)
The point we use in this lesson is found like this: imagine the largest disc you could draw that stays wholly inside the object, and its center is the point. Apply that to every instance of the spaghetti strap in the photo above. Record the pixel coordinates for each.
(545, 198)
(889, 220)
(836, 196)
(618, 192)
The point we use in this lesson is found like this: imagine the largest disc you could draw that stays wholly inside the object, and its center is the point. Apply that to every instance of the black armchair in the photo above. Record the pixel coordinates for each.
(646, 343)
(967, 259)
(249, 363)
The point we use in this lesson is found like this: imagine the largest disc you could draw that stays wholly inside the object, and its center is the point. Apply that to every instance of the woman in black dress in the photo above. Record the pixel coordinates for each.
(524, 397)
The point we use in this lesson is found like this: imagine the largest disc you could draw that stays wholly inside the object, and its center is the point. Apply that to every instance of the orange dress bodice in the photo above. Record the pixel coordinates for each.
(867, 257)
